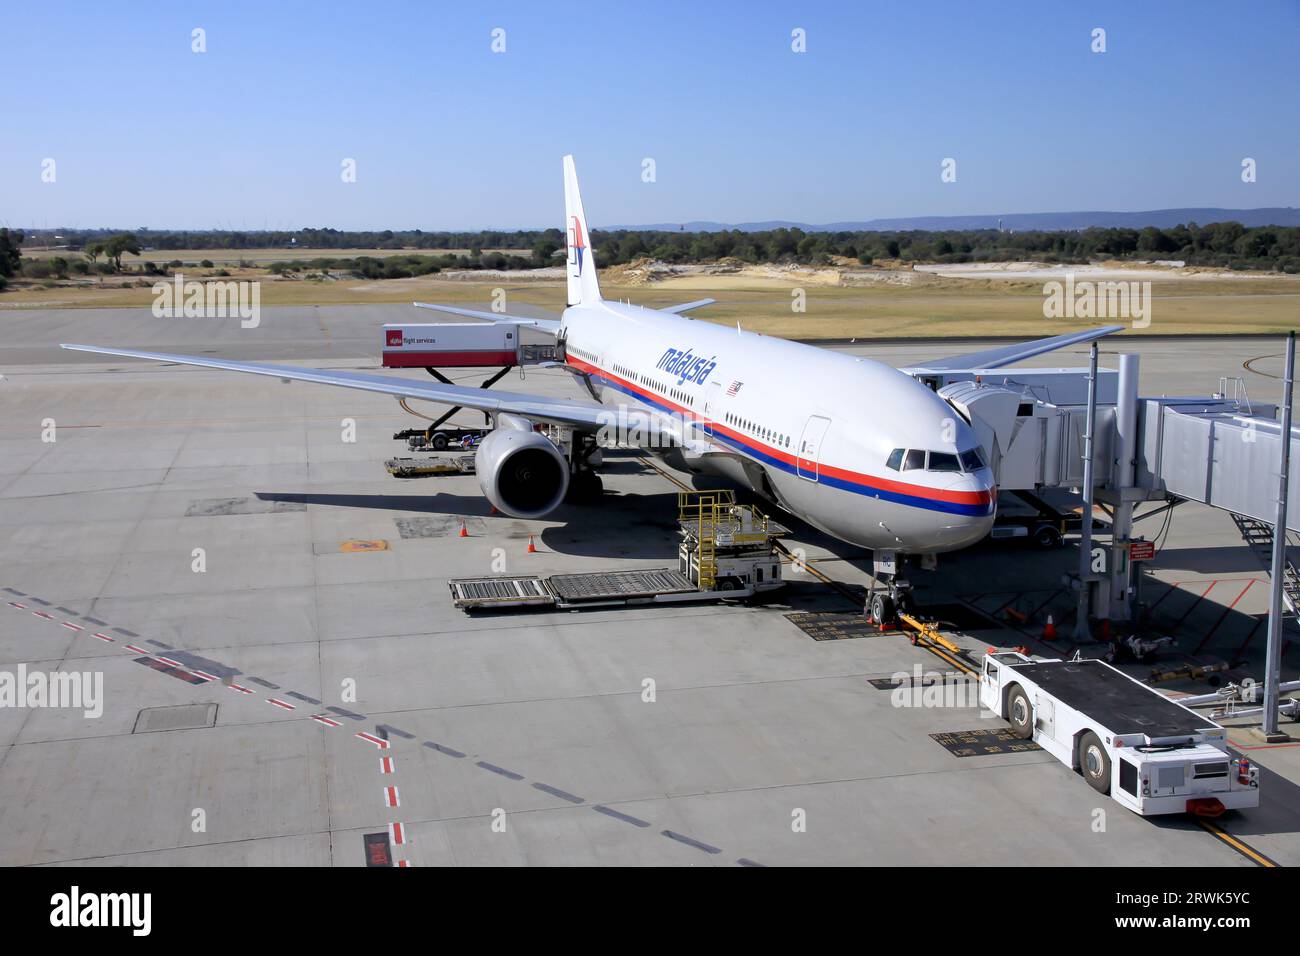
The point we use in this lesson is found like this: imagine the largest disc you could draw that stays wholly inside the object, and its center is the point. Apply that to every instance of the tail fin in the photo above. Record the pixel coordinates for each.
(583, 287)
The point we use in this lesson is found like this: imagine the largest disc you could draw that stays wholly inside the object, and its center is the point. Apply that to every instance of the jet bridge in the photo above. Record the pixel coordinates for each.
(1221, 450)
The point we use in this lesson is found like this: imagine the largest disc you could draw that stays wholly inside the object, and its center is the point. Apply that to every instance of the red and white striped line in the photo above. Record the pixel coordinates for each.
(392, 799)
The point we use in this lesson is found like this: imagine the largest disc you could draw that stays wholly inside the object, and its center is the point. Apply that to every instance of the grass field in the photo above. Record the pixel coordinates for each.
(945, 308)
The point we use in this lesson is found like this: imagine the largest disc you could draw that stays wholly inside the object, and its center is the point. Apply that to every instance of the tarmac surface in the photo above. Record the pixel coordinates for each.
(205, 526)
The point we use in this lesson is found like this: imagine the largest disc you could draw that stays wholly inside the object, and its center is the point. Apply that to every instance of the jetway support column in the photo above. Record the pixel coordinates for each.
(1273, 655)
(1087, 579)
(1122, 596)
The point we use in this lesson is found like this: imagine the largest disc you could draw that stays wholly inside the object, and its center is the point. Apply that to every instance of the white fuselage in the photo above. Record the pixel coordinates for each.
(812, 429)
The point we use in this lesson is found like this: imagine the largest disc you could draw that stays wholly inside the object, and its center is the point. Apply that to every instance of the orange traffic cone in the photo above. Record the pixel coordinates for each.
(464, 532)
(1049, 631)
(532, 548)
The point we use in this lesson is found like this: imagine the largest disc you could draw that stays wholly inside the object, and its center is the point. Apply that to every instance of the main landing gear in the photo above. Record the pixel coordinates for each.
(583, 453)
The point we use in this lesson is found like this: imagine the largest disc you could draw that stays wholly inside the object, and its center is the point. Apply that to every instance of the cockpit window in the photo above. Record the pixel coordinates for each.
(895, 460)
(942, 461)
(972, 459)
(915, 460)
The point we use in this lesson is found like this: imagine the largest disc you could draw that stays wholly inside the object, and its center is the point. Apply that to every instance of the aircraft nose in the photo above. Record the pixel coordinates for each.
(979, 510)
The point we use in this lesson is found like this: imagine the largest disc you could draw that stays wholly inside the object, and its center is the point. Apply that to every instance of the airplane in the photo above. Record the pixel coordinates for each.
(861, 450)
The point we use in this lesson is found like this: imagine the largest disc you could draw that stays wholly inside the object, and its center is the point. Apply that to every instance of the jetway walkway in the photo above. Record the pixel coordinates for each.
(1220, 450)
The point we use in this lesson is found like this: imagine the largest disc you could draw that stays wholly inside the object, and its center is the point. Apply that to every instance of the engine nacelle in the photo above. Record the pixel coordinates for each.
(520, 471)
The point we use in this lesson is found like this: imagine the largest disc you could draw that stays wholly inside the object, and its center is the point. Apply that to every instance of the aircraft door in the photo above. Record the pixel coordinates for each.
(810, 443)
(712, 403)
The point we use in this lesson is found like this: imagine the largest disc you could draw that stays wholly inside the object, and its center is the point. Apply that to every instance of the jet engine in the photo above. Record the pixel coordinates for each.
(520, 471)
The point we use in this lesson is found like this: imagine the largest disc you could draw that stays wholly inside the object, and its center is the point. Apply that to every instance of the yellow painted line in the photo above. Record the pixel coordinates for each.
(1212, 828)
(1248, 852)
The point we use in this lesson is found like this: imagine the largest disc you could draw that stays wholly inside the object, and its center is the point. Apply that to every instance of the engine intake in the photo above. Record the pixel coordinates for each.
(520, 471)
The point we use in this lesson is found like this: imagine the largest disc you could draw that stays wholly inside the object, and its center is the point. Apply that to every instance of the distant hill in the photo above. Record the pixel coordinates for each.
(1021, 222)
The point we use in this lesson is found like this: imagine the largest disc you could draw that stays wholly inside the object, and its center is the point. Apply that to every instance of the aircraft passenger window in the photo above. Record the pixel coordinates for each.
(915, 460)
(942, 461)
(895, 461)
(972, 459)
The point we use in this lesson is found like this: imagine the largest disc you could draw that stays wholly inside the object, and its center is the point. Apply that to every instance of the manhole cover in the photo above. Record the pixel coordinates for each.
(181, 717)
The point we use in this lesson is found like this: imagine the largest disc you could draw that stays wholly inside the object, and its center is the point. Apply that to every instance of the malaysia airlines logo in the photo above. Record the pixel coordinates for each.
(576, 246)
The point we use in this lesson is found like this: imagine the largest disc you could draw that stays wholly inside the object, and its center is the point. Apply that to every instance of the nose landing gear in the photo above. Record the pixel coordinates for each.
(883, 606)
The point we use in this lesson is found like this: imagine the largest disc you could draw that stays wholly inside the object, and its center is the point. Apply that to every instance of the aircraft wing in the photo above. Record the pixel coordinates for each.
(558, 411)
(1009, 354)
(687, 306)
(544, 325)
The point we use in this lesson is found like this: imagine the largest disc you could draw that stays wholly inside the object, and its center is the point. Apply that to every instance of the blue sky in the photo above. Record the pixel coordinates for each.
(447, 135)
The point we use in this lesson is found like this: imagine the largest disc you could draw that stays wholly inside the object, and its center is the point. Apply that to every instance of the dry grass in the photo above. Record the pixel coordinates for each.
(944, 309)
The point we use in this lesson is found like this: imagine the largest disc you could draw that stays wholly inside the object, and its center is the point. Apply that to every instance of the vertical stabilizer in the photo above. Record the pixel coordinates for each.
(581, 266)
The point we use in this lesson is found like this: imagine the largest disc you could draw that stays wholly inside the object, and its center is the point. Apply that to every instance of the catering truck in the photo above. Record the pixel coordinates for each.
(450, 345)
(1145, 750)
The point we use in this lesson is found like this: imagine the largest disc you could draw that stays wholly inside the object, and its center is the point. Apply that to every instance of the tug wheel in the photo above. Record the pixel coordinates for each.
(1020, 712)
(1094, 762)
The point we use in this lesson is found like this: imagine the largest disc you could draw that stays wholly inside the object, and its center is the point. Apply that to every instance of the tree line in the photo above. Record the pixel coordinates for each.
(1225, 245)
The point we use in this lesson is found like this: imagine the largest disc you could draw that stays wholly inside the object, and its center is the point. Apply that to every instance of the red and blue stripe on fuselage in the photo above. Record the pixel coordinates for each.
(968, 503)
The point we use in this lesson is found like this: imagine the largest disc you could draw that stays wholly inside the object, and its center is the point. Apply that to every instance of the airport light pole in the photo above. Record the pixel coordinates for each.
(1273, 655)
(1085, 540)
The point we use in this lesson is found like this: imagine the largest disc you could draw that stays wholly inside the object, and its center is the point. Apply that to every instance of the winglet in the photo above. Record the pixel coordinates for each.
(583, 287)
